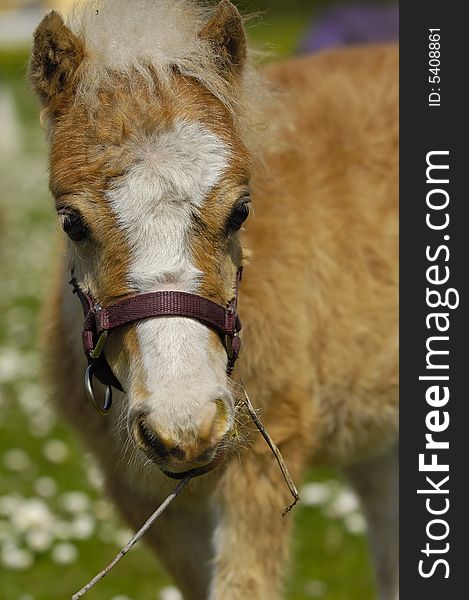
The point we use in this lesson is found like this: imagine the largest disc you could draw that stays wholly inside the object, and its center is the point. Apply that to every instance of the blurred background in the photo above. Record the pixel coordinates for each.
(56, 529)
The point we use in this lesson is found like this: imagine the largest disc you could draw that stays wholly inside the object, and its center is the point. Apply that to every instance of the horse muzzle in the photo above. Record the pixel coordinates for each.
(197, 452)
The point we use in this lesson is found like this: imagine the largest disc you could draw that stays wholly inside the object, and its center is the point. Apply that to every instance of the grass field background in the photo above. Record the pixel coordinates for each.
(56, 529)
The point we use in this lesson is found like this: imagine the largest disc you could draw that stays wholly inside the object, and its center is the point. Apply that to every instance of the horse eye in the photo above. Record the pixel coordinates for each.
(239, 214)
(73, 225)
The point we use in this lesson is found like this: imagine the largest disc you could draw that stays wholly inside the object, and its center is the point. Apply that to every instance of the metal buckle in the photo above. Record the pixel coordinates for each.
(229, 346)
(98, 349)
(101, 410)
(232, 346)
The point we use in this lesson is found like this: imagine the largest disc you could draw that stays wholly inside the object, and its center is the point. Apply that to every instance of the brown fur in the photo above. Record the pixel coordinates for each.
(318, 300)
(58, 54)
(226, 36)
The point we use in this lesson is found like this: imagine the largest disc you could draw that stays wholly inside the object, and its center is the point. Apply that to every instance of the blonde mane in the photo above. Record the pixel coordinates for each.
(157, 37)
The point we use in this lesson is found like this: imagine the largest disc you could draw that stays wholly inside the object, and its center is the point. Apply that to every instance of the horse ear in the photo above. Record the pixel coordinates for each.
(57, 53)
(226, 35)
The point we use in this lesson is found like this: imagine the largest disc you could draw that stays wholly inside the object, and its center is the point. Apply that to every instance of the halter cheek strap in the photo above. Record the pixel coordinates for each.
(100, 321)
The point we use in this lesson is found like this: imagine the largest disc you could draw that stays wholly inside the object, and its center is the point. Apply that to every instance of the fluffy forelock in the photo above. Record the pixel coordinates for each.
(148, 37)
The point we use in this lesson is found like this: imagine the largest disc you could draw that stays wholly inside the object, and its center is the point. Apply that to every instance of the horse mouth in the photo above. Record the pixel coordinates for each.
(196, 472)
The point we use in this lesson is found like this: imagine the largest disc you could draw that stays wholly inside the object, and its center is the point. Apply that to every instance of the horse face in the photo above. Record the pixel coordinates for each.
(152, 193)
(151, 185)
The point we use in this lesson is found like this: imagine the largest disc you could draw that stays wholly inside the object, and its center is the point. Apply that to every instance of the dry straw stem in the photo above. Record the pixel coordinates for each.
(275, 450)
(140, 533)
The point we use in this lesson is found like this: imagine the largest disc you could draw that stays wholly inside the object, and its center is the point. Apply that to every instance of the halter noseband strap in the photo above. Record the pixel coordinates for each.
(100, 321)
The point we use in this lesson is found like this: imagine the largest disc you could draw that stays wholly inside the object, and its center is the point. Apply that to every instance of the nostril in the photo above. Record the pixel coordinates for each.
(214, 421)
(151, 442)
(207, 420)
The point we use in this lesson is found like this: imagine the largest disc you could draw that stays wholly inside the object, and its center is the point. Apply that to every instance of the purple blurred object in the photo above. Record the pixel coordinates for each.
(346, 25)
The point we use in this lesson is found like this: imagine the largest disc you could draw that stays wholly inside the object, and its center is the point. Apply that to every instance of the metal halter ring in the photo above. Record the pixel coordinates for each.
(101, 410)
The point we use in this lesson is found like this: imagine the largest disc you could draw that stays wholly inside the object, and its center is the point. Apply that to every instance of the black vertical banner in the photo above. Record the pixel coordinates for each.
(434, 490)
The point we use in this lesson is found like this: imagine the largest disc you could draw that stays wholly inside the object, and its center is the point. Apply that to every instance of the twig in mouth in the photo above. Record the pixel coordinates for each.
(159, 511)
(140, 533)
(275, 450)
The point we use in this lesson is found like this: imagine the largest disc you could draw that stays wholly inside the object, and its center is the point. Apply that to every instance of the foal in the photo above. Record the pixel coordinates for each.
(162, 136)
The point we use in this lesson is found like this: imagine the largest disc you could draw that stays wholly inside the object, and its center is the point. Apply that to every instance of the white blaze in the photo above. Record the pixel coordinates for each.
(176, 169)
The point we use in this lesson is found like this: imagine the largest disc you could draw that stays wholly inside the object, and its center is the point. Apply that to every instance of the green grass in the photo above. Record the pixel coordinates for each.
(278, 33)
(329, 561)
